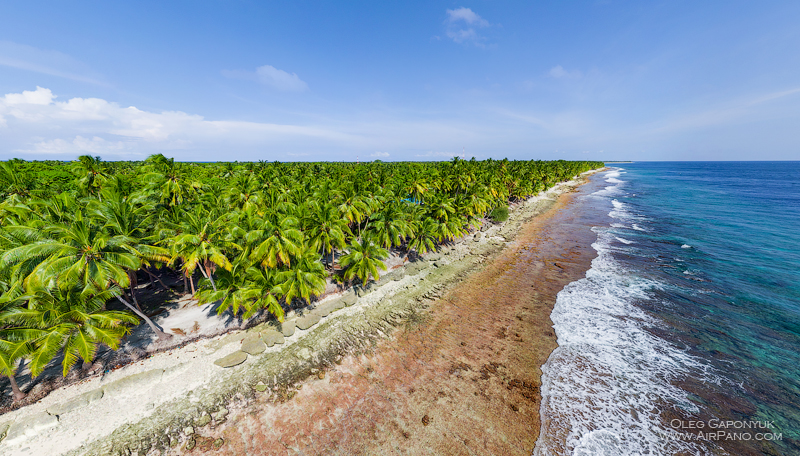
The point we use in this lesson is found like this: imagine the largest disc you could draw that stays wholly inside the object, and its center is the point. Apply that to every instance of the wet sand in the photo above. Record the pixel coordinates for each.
(463, 378)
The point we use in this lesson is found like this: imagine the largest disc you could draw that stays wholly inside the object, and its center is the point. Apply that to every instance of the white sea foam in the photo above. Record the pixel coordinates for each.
(603, 386)
(637, 227)
(686, 246)
(623, 240)
(619, 225)
(620, 211)
(611, 190)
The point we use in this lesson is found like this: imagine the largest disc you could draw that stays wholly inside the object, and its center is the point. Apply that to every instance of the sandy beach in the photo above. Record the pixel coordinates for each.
(442, 358)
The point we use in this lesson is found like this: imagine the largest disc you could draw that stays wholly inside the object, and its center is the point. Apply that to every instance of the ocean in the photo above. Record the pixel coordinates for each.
(684, 336)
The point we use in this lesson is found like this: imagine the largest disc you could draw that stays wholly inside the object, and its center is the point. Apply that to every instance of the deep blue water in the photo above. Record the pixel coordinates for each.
(689, 317)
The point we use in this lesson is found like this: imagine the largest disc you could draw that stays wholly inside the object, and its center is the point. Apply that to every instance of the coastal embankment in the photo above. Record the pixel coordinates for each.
(441, 356)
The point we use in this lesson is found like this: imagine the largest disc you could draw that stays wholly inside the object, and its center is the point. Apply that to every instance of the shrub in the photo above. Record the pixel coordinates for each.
(499, 214)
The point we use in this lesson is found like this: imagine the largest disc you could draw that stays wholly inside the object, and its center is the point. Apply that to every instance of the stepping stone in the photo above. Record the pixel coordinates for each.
(287, 328)
(252, 345)
(272, 337)
(349, 298)
(307, 321)
(325, 309)
(234, 359)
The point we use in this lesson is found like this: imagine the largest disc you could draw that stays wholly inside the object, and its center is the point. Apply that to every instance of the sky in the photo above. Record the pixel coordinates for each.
(412, 80)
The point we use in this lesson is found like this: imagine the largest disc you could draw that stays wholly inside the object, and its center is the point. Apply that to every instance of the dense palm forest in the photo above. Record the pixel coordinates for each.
(76, 237)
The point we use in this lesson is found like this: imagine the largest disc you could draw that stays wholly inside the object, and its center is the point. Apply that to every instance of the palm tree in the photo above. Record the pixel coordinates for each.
(169, 180)
(304, 279)
(326, 230)
(244, 191)
(131, 218)
(390, 226)
(363, 260)
(72, 320)
(425, 236)
(15, 182)
(282, 241)
(81, 254)
(15, 343)
(92, 174)
(201, 243)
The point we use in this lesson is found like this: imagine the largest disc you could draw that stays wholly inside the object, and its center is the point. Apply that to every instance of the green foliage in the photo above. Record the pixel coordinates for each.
(499, 214)
(363, 260)
(74, 234)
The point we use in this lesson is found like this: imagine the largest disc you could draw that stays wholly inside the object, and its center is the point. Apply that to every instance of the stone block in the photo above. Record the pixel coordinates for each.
(253, 345)
(234, 359)
(272, 337)
(288, 327)
(308, 320)
(349, 298)
(327, 308)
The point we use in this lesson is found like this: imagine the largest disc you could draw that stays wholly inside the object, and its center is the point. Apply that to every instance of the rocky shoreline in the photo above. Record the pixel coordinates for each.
(160, 403)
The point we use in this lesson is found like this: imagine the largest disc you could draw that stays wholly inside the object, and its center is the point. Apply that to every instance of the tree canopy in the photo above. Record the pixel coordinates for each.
(75, 235)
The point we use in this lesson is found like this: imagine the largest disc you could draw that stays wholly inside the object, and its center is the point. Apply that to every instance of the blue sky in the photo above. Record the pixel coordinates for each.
(302, 80)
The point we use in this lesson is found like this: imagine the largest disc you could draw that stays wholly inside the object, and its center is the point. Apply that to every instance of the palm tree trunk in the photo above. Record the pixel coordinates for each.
(185, 284)
(17, 393)
(125, 295)
(161, 334)
(153, 276)
(209, 276)
(191, 281)
(133, 284)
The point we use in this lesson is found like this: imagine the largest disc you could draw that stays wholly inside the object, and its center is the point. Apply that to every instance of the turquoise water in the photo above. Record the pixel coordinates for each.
(689, 317)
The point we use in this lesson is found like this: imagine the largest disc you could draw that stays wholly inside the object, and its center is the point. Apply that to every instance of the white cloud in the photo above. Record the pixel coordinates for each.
(52, 63)
(39, 96)
(466, 15)
(32, 122)
(270, 76)
(461, 24)
(439, 155)
(559, 72)
(380, 154)
(81, 146)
